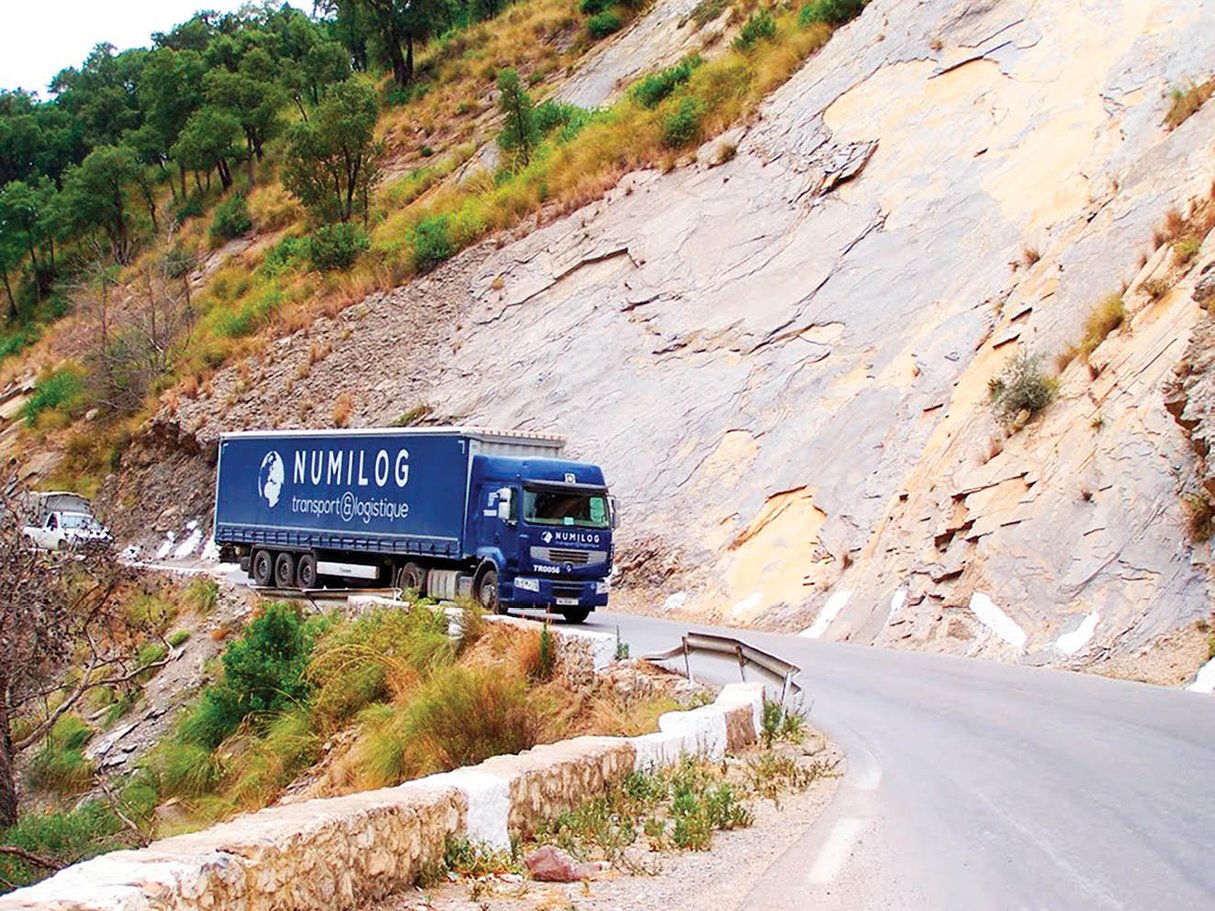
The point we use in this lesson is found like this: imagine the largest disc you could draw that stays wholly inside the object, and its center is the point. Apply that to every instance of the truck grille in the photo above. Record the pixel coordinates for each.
(573, 557)
(567, 590)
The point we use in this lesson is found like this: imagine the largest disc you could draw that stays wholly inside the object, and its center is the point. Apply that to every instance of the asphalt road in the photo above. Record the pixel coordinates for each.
(975, 785)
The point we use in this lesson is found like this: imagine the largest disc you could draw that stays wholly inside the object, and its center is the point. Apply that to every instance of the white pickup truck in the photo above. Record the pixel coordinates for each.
(62, 530)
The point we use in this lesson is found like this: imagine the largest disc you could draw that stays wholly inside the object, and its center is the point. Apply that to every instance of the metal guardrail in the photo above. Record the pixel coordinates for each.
(747, 655)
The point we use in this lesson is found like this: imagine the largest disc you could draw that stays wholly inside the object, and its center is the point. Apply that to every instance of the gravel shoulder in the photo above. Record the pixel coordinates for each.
(720, 878)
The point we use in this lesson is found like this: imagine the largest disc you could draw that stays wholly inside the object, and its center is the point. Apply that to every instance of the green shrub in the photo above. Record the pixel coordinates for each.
(65, 838)
(16, 341)
(190, 207)
(179, 637)
(336, 247)
(231, 219)
(548, 115)
(603, 24)
(432, 243)
(60, 764)
(681, 125)
(61, 390)
(778, 723)
(264, 673)
(830, 12)
(287, 254)
(1021, 387)
(760, 26)
(651, 90)
(594, 7)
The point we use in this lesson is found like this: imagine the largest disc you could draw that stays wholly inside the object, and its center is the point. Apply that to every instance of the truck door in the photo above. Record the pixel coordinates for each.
(499, 520)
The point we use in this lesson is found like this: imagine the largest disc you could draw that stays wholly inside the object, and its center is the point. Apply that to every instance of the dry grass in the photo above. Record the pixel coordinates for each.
(1155, 288)
(1030, 256)
(1102, 320)
(342, 410)
(1185, 103)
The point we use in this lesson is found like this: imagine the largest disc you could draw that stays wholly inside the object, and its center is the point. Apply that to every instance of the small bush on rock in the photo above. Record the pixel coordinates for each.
(830, 12)
(603, 24)
(432, 243)
(760, 27)
(1021, 387)
(681, 125)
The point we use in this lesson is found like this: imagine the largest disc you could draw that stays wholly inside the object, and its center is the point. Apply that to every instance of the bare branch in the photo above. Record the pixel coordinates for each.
(28, 857)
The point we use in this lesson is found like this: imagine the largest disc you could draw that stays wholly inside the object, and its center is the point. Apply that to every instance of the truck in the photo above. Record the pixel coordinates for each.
(64, 529)
(445, 512)
(58, 519)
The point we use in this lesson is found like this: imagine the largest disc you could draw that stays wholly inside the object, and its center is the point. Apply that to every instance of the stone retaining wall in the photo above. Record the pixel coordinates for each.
(337, 853)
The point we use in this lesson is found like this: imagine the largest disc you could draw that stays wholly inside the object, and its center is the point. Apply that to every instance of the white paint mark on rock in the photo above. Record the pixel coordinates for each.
(1070, 643)
(1205, 681)
(166, 545)
(835, 604)
(675, 602)
(748, 603)
(210, 551)
(996, 620)
(896, 604)
(837, 848)
(190, 543)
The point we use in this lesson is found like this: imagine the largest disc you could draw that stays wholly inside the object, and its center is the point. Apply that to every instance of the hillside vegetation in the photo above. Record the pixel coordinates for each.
(250, 171)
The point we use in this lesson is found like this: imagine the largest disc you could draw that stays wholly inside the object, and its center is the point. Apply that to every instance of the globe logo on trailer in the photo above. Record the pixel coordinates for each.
(270, 478)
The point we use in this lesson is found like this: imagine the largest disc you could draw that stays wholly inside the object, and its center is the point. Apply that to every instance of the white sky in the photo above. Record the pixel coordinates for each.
(38, 38)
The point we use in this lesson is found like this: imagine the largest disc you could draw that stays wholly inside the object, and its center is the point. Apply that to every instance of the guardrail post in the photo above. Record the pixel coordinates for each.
(687, 664)
(742, 663)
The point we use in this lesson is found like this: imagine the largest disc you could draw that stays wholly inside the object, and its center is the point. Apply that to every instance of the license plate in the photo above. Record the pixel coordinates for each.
(567, 602)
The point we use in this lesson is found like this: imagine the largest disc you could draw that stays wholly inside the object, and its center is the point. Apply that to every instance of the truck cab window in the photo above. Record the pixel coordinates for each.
(555, 507)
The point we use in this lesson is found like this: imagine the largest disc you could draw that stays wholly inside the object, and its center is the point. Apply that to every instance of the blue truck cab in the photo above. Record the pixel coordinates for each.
(443, 511)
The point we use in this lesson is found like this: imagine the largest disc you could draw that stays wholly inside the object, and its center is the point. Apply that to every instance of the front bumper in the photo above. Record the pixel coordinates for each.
(590, 593)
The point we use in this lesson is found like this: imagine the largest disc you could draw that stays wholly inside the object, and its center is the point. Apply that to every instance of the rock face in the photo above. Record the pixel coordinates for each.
(782, 361)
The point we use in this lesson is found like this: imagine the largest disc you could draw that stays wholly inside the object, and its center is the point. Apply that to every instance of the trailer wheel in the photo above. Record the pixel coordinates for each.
(575, 614)
(305, 571)
(284, 570)
(261, 570)
(412, 577)
(487, 592)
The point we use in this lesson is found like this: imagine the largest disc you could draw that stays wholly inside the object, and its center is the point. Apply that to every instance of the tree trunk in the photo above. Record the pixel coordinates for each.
(401, 73)
(29, 236)
(409, 57)
(182, 169)
(251, 153)
(8, 786)
(13, 313)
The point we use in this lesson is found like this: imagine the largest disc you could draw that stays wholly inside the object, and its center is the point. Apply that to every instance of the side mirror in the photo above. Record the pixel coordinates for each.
(614, 508)
(505, 502)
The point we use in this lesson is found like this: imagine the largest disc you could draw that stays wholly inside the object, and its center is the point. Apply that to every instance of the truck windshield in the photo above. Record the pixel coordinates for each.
(556, 507)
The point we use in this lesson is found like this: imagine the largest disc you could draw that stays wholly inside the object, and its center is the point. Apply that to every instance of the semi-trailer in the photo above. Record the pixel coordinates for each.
(443, 511)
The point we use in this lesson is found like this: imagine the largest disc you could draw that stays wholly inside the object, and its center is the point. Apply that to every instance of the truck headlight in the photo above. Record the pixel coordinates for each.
(527, 585)
(603, 587)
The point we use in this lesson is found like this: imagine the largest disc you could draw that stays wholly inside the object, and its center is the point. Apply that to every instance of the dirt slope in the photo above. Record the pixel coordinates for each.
(782, 362)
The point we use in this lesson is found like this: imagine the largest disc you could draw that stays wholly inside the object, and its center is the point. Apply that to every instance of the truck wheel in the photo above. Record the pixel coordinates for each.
(305, 571)
(575, 614)
(412, 577)
(284, 570)
(487, 592)
(261, 569)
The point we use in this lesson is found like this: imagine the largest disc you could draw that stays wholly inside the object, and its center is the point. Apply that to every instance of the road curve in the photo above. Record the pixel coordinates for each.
(975, 785)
